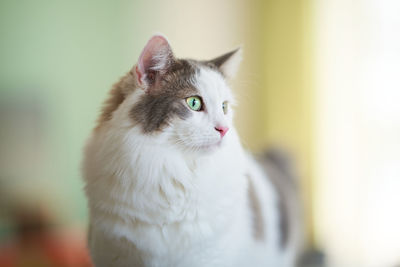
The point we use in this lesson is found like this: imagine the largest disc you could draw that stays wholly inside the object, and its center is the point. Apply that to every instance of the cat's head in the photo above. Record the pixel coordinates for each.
(185, 102)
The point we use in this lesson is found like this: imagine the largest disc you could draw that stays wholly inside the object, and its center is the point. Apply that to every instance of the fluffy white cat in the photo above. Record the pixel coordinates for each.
(167, 180)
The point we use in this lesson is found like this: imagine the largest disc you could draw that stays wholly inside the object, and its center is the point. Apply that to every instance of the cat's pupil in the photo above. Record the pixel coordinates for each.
(194, 103)
(225, 107)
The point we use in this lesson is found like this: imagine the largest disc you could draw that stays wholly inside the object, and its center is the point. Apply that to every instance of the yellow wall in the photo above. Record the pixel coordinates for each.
(284, 95)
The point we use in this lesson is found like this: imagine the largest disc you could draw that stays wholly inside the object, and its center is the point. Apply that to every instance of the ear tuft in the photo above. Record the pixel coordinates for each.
(154, 60)
(229, 63)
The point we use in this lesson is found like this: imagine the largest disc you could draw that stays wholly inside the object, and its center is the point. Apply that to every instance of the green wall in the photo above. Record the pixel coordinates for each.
(57, 61)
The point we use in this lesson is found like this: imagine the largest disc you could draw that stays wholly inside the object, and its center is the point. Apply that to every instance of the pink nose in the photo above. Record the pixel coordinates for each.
(222, 130)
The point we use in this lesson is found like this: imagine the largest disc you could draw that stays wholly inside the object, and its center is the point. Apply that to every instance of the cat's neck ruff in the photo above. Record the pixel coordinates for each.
(158, 184)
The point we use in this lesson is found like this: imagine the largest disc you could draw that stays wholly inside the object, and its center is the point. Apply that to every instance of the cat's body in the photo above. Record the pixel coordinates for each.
(171, 186)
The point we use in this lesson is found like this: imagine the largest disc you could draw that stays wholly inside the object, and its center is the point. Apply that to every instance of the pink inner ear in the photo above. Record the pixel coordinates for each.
(139, 75)
(154, 57)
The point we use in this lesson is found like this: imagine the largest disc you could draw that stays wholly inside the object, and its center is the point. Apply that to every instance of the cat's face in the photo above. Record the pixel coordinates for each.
(209, 113)
(187, 103)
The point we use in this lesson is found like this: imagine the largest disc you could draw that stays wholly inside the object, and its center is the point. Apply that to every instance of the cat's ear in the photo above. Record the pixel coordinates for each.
(154, 61)
(228, 63)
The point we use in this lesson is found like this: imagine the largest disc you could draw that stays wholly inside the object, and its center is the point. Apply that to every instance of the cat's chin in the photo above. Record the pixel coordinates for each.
(209, 148)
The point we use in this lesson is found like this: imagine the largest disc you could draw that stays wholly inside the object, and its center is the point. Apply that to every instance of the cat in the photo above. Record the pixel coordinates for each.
(167, 180)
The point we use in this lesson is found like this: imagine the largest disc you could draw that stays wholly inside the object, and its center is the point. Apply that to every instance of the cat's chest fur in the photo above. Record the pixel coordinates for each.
(189, 209)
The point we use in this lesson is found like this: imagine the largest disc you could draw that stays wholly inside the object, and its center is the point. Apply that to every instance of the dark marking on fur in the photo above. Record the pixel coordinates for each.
(278, 168)
(153, 112)
(257, 216)
(165, 100)
(283, 220)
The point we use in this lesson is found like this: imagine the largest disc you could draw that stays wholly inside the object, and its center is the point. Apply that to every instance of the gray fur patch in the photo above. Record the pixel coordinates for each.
(256, 212)
(165, 99)
(280, 174)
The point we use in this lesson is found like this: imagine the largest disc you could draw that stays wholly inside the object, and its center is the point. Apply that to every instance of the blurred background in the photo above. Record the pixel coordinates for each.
(319, 77)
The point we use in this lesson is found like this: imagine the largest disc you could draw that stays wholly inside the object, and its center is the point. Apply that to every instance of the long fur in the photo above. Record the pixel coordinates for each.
(154, 200)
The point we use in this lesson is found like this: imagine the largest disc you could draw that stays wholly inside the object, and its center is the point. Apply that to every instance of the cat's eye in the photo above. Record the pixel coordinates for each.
(194, 103)
(225, 107)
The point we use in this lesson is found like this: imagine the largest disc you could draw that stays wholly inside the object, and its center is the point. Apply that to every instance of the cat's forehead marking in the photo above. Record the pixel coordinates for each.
(154, 110)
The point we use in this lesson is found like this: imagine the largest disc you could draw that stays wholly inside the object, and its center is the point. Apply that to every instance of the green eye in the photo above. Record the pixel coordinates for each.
(225, 107)
(194, 102)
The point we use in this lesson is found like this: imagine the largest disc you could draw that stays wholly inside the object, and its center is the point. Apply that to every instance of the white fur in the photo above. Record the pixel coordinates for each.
(178, 197)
